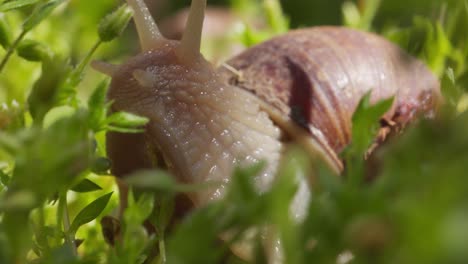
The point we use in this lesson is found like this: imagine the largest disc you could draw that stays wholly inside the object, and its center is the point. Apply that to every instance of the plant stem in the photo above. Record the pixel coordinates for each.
(63, 211)
(368, 12)
(162, 250)
(59, 215)
(85, 61)
(11, 49)
(76, 74)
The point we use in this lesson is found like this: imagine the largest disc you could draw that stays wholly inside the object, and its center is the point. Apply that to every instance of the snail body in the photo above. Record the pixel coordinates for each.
(302, 87)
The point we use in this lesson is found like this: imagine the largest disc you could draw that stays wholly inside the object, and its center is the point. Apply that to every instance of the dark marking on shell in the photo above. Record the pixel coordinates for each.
(300, 101)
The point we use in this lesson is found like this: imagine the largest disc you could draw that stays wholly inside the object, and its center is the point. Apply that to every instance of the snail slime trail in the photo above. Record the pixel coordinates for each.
(303, 86)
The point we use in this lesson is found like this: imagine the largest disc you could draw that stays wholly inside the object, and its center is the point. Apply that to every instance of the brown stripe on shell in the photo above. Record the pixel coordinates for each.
(317, 76)
(320, 99)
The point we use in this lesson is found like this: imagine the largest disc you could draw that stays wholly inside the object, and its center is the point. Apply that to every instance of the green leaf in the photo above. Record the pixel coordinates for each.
(57, 113)
(5, 32)
(14, 4)
(424, 182)
(451, 92)
(62, 254)
(86, 185)
(242, 187)
(4, 178)
(32, 50)
(9, 143)
(126, 122)
(19, 200)
(76, 76)
(138, 211)
(351, 15)
(160, 181)
(248, 36)
(366, 121)
(294, 169)
(124, 129)
(90, 212)
(365, 127)
(198, 233)
(276, 18)
(163, 212)
(126, 119)
(40, 13)
(48, 91)
(369, 13)
(438, 49)
(134, 241)
(360, 17)
(240, 209)
(98, 107)
(156, 180)
(114, 24)
(98, 99)
(48, 160)
(17, 236)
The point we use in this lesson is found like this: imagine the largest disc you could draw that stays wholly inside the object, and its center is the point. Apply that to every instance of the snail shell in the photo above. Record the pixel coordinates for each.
(315, 78)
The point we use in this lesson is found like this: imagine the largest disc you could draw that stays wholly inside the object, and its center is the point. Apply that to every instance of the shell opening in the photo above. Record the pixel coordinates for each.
(189, 48)
(148, 31)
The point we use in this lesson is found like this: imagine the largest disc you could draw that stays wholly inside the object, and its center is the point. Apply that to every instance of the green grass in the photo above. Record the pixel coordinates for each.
(56, 191)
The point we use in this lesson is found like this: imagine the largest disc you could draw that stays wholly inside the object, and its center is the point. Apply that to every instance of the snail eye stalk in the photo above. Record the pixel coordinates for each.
(148, 31)
(189, 48)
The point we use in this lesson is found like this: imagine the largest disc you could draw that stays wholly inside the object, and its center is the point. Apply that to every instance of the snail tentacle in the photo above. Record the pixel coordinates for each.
(189, 48)
(104, 67)
(148, 31)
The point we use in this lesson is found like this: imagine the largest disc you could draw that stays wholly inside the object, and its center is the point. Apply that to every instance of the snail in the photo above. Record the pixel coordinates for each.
(300, 87)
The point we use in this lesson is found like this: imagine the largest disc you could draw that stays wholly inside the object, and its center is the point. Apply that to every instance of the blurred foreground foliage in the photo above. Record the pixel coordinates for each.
(56, 197)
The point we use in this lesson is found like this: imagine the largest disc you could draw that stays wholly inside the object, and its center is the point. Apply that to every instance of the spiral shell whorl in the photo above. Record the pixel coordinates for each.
(317, 76)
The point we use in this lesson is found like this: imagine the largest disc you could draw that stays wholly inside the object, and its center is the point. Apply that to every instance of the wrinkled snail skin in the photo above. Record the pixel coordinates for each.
(201, 127)
(302, 86)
